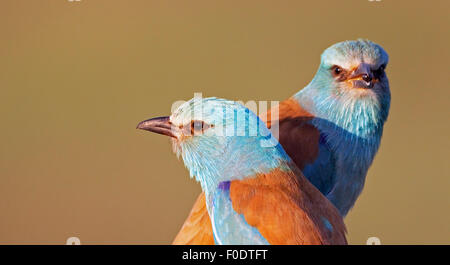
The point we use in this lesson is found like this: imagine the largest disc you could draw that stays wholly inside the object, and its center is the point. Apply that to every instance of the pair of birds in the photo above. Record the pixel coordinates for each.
(257, 190)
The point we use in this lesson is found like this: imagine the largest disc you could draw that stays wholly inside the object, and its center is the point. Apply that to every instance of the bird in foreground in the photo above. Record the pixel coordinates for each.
(254, 193)
(331, 129)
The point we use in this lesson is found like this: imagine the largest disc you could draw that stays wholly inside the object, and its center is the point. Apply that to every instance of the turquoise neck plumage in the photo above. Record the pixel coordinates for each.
(355, 118)
(243, 157)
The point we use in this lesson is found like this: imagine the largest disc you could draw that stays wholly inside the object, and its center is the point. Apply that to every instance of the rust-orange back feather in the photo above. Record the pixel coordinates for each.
(287, 209)
(197, 229)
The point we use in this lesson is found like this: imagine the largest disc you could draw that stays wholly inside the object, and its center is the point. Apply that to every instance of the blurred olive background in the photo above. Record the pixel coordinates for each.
(76, 78)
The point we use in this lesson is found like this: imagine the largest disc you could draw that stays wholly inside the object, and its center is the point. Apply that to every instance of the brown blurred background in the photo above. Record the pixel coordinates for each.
(76, 78)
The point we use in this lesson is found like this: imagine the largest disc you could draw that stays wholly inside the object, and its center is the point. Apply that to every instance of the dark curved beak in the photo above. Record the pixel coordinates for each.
(160, 125)
(362, 77)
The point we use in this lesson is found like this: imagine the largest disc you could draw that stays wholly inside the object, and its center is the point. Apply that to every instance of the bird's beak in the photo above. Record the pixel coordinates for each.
(161, 125)
(362, 77)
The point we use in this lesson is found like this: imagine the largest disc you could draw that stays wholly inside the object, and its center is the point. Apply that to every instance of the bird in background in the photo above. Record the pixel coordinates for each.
(331, 129)
(254, 193)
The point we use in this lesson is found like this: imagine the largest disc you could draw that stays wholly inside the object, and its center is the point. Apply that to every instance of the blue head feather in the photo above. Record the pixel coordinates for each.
(235, 145)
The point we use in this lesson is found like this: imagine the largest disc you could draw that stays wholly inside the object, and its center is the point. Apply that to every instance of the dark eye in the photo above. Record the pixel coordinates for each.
(198, 127)
(336, 70)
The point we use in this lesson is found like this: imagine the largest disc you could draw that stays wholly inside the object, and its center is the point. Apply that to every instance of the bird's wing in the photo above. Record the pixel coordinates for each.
(298, 136)
(286, 209)
(230, 227)
(197, 228)
(303, 142)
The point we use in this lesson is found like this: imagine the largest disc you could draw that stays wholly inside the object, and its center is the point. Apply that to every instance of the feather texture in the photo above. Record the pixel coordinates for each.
(286, 209)
(329, 129)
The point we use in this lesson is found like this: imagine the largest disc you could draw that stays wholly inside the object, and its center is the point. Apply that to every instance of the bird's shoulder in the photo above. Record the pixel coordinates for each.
(287, 209)
(289, 109)
(297, 133)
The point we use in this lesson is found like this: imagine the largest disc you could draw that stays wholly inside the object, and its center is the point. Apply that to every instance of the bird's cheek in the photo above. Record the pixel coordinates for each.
(176, 147)
(342, 88)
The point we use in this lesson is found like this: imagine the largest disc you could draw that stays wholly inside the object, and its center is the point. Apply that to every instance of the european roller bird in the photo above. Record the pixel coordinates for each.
(254, 193)
(331, 129)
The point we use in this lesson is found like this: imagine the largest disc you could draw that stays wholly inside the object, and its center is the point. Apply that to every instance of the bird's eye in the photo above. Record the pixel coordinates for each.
(198, 127)
(336, 70)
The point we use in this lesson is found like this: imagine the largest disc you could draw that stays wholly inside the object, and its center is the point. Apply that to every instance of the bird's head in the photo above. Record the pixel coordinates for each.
(219, 140)
(356, 67)
(351, 85)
